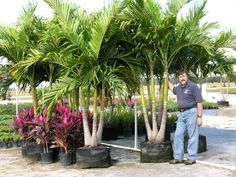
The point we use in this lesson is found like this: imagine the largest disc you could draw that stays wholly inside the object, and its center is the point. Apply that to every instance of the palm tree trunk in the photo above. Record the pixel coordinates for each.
(161, 135)
(94, 140)
(76, 100)
(70, 103)
(145, 115)
(149, 94)
(87, 134)
(34, 95)
(101, 121)
(111, 113)
(88, 98)
(154, 118)
(160, 109)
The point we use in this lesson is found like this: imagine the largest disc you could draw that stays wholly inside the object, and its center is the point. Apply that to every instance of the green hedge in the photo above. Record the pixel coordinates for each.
(6, 133)
(172, 105)
(10, 109)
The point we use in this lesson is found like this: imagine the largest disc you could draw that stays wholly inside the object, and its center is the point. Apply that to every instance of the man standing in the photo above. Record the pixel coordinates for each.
(189, 101)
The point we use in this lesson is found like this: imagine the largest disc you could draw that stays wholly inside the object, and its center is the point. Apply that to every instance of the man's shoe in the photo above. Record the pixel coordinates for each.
(175, 161)
(190, 162)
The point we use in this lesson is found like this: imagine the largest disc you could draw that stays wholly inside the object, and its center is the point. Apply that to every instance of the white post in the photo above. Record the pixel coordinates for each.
(135, 124)
(16, 100)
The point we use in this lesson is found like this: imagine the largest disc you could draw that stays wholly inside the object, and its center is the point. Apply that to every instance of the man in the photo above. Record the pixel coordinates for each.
(189, 101)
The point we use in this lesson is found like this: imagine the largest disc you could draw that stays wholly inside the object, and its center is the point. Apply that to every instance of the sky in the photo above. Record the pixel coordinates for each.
(218, 10)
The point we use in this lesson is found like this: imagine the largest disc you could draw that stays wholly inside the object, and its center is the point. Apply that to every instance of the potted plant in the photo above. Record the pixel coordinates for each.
(110, 129)
(43, 135)
(66, 127)
(16, 140)
(23, 126)
(170, 125)
(128, 121)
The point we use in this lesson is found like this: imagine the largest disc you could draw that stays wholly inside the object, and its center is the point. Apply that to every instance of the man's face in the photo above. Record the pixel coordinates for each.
(183, 78)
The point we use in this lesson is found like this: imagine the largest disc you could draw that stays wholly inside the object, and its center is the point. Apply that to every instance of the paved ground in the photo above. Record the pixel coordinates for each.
(12, 165)
(219, 161)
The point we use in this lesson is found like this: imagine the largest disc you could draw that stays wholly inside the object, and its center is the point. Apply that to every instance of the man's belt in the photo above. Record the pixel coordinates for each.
(184, 109)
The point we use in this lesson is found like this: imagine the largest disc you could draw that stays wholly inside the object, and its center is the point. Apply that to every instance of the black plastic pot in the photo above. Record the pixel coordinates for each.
(1, 144)
(47, 157)
(109, 133)
(67, 158)
(24, 151)
(32, 151)
(95, 157)
(155, 153)
(56, 152)
(15, 144)
(223, 103)
(127, 132)
(202, 143)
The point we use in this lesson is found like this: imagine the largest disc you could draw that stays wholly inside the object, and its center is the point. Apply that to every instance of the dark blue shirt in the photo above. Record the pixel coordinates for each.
(187, 96)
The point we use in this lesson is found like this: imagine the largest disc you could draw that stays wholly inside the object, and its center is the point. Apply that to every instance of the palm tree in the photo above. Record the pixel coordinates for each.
(5, 81)
(201, 64)
(165, 34)
(92, 63)
(18, 44)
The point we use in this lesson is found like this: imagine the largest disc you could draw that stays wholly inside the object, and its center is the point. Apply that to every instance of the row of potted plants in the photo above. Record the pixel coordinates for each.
(9, 141)
(62, 130)
(8, 138)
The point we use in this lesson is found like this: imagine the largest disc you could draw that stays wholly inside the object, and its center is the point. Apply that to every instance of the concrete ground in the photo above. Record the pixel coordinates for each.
(219, 160)
(12, 165)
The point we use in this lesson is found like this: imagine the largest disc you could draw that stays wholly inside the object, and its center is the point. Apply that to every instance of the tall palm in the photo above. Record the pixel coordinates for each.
(5, 81)
(17, 45)
(201, 64)
(85, 36)
(166, 33)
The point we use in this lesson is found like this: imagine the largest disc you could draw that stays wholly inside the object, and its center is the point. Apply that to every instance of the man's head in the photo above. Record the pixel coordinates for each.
(183, 76)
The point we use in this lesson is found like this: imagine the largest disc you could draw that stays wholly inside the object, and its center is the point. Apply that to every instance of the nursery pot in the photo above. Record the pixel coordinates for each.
(32, 151)
(202, 143)
(109, 133)
(223, 103)
(47, 157)
(24, 151)
(67, 158)
(127, 131)
(15, 144)
(93, 157)
(56, 152)
(155, 153)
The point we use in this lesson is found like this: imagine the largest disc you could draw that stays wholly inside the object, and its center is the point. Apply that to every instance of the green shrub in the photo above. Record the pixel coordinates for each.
(172, 106)
(16, 137)
(10, 109)
(209, 105)
(171, 119)
(6, 117)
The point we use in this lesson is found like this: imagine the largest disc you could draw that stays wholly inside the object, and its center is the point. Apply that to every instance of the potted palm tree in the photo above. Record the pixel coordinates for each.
(161, 38)
(93, 68)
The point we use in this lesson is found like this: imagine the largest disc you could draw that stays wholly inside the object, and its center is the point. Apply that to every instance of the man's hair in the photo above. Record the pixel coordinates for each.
(182, 71)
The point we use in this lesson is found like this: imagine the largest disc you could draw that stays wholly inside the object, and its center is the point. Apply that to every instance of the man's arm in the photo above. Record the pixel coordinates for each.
(171, 86)
(199, 113)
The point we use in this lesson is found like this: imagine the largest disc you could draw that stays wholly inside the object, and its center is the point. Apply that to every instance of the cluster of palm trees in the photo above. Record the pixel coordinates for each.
(114, 51)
